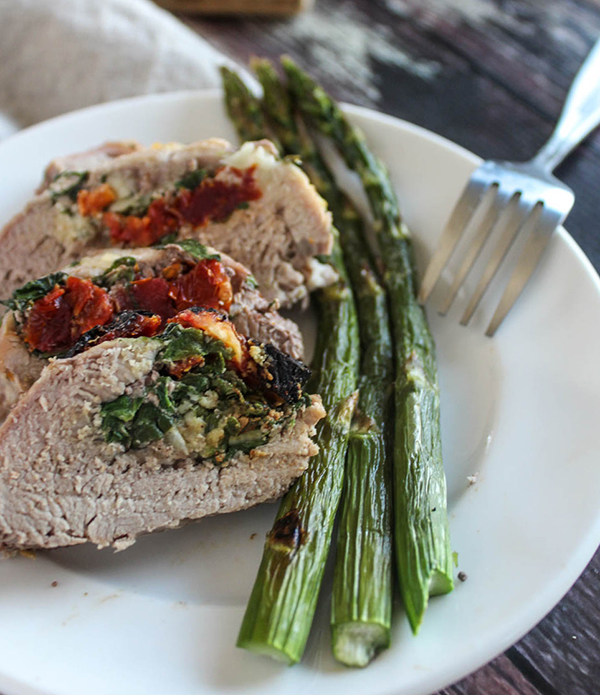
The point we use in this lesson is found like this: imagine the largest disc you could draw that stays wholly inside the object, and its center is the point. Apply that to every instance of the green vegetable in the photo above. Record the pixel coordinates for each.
(121, 270)
(181, 343)
(25, 296)
(284, 598)
(244, 108)
(362, 584)
(117, 417)
(422, 537)
(135, 422)
(128, 261)
(73, 182)
(151, 423)
(362, 593)
(197, 250)
(294, 141)
(246, 441)
(170, 238)
(192, 179)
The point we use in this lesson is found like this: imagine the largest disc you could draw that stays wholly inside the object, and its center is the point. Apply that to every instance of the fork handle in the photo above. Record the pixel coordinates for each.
(580, 114)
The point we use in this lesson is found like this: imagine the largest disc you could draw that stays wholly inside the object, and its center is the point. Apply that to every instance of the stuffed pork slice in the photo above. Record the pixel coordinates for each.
(84, 304)
(248, 203)
(140, 434)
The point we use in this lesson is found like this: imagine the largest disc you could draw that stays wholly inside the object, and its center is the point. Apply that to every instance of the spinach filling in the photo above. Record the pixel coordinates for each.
(211, 410)
(197, 251)
(122, 270)
(25, 296)
(68, 183)
(192, 179)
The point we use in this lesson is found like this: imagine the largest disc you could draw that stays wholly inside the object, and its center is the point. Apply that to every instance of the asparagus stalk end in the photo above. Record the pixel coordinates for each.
(358, 643)
(262, 648)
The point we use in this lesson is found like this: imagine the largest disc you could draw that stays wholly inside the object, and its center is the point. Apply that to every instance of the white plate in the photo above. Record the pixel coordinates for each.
(522, 409)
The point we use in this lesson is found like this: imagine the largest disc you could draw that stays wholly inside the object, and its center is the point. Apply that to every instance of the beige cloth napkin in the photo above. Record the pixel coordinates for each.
(60, 55)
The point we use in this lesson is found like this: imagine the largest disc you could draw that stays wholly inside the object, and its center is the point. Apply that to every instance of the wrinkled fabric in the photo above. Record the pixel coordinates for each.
(60, 55)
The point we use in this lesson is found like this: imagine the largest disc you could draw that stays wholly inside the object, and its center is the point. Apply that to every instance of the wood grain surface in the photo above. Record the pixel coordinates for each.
(224, 7)
(490, 75)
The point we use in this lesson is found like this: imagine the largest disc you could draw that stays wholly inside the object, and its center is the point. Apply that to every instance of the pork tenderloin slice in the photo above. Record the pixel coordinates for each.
(252, 315)
(62, 484)
(278, 236)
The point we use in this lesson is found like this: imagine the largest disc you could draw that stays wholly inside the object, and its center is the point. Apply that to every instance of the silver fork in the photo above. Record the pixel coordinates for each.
(529, 196)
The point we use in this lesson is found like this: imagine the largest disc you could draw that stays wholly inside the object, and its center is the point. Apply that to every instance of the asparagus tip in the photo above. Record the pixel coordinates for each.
(257, 62)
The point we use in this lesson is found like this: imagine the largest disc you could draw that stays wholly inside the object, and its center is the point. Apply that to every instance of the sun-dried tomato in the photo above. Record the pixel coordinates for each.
(208, 285)
(48, 325)
(90, 305)
(55, 322)
(128, 230)
(122, 299)
(154, 294)
(214, 199)
(96, 200)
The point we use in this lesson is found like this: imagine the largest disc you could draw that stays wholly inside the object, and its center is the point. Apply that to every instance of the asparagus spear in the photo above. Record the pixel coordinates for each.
(283, 601)
(244, 109)
(278, 107)
(362, 582)
(421, 525)
(362, 592)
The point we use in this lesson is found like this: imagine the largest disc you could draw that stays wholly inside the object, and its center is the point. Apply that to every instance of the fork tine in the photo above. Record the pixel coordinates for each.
(534, 247)
(497, 206)
(455, 227)
(517, 220)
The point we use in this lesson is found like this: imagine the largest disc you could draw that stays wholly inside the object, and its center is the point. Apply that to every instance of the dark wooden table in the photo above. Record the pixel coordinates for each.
(491, 76)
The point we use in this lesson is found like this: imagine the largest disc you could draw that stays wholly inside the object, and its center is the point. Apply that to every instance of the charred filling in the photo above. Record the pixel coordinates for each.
(198, 198)
(56, 313)
(127, 324)
(211, 393)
